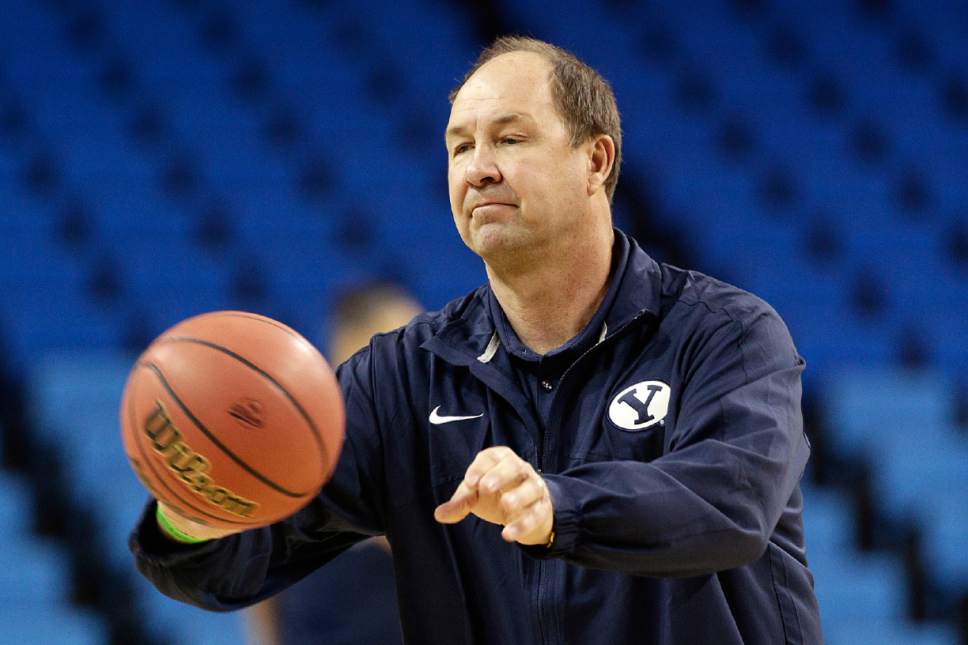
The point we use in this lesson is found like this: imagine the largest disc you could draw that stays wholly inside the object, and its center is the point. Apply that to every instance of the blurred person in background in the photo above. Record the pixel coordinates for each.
(611, 447)
(351, 601)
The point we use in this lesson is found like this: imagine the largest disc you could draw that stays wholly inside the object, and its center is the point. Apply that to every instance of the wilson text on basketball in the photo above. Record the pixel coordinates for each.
(191, 467)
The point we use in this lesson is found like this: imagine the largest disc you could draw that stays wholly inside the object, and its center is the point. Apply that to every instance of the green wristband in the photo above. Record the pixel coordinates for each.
(172, 531)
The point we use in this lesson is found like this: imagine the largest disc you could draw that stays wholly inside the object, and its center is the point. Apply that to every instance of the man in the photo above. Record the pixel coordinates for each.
(611, 448)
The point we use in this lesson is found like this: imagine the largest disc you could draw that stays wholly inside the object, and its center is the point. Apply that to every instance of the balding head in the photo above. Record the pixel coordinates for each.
(582, 98)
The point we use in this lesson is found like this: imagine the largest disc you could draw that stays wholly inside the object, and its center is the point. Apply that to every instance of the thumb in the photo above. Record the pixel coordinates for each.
(457, 507)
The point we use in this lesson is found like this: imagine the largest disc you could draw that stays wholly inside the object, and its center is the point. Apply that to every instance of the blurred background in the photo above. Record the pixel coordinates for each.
(161, 158)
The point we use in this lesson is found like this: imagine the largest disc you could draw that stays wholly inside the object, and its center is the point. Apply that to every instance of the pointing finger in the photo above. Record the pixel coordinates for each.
(458, 506)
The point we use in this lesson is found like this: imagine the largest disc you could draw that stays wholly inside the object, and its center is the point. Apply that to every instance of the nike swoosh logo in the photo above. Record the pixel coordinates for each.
(437, 419)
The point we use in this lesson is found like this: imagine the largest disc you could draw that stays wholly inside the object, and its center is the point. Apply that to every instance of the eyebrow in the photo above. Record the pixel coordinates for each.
(504, 119)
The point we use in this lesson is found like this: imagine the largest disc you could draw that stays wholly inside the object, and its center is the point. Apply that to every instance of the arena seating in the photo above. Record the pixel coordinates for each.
(34, 607)
(861, 597)
(163, 158)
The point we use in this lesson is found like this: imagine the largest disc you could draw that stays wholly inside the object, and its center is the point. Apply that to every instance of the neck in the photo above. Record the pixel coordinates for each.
(551, 298)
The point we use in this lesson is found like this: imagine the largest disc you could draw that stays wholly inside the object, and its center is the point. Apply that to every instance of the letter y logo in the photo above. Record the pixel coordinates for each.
(639, 406)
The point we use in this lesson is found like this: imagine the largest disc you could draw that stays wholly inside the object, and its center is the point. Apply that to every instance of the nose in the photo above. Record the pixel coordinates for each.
(482, 169)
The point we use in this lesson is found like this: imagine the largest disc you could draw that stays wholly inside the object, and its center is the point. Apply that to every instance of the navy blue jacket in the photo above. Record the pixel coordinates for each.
(673, 448)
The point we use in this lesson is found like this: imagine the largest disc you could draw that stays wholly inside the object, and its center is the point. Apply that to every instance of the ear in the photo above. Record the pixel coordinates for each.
(601, 158)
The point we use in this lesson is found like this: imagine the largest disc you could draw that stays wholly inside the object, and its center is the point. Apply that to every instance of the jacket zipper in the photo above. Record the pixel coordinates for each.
(542, 449)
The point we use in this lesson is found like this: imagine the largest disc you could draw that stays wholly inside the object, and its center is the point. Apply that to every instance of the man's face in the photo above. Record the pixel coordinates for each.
(516, 183)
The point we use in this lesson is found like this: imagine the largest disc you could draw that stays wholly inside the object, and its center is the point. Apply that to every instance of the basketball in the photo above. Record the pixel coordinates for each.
(232, 419)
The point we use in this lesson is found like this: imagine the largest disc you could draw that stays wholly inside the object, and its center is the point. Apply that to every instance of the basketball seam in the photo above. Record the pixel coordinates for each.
(256, 317)
(215, 440)
(320, 444)
(150, 464)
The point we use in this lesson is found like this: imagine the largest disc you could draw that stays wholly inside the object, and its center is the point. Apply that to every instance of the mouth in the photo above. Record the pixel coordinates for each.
(490, 206)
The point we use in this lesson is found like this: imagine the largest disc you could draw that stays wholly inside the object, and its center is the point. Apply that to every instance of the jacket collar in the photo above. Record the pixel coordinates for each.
(640, 288)
(470, 334)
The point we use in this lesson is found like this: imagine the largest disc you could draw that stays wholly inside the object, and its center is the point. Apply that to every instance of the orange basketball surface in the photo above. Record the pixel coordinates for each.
(232, 419)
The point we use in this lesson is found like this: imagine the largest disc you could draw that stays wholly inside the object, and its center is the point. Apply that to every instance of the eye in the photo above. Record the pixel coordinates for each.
(510, 140)
(461, 148)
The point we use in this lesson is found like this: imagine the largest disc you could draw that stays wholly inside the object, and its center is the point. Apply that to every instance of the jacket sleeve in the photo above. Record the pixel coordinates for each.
(713, 500)
(242, 569)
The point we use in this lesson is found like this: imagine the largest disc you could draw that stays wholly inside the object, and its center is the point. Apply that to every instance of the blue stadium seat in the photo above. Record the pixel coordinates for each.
(34, 583)
(848, 587)
(34, 571)
(148, 268)
(828, 521)
(944, 521)
(36, 264)
(857, 588)
(864, 404)
(14, 502)
(913, 464)
(888, 632)
(38, 321)
(26, 622)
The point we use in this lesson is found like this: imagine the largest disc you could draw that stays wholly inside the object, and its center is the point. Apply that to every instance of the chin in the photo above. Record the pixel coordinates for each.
(495, 242)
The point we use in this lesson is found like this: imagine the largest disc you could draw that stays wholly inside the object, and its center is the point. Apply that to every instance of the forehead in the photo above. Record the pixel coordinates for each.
(518, 82)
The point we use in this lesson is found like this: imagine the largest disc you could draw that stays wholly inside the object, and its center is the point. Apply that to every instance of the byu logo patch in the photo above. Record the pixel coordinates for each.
(640, 406)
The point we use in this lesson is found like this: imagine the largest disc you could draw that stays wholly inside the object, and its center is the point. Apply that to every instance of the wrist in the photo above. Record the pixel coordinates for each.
(173, 532)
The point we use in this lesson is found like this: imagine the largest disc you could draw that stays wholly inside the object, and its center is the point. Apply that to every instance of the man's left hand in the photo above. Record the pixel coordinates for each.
(501, 488)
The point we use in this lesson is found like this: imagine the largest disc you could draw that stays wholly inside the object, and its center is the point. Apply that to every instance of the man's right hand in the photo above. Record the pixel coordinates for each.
(190, 527)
